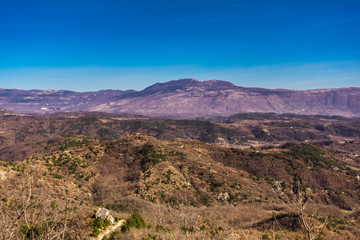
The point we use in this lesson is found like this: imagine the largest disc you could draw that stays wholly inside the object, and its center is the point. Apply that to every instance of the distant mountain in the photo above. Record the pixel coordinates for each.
(187, 98)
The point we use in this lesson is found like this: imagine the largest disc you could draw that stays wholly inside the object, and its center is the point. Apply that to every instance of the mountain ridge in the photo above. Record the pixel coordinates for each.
(187, 98)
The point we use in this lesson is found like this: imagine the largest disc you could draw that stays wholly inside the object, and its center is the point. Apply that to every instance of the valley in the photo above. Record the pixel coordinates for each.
(247, 176)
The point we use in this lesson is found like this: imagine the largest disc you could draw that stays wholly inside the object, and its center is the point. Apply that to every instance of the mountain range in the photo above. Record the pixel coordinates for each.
(187, 98)
(248, 175)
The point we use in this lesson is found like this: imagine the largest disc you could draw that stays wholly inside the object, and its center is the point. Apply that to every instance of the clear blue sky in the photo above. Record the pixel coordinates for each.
(90, 44)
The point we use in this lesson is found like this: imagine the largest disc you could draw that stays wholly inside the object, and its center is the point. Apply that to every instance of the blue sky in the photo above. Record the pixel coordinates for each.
(90, 45)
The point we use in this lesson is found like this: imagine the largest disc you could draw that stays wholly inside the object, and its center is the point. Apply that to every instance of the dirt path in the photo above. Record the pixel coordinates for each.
(110, 229)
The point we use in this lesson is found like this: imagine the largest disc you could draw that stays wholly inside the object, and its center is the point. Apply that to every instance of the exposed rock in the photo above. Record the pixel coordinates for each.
(224, 196)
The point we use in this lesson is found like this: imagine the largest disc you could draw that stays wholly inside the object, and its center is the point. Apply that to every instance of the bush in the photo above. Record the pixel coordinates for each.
(205, 199)
(150, 237)
(125, 228)
(151, 156)
(97, 224)
(57, 176)
(135, 220)
(310, 154)
(265, 237)
(33, 232)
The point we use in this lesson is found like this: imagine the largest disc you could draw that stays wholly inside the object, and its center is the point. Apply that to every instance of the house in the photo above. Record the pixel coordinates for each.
(111, 219)
(102, 213)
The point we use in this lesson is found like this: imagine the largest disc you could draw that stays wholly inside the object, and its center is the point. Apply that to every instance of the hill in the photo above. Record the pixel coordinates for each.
(212, 187)
(252, 175)
(25, 135)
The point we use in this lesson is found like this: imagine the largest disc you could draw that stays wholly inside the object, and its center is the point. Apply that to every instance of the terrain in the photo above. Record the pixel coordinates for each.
(187, 98)
(247, 176)
(32, 131)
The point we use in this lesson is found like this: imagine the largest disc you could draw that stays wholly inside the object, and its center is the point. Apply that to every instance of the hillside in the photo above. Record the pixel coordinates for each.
(210, 186)
(187, 98)
(239, 177)
(25, 135)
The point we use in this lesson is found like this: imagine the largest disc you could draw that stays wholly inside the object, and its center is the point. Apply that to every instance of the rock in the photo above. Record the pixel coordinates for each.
(224, 196)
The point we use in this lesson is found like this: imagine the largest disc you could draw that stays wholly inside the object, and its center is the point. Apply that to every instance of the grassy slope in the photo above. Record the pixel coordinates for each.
(140, 173)
(223, 192)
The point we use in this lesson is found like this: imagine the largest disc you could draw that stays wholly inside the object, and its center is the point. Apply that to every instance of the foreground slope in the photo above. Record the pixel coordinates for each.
(187, 188)
(245, 176)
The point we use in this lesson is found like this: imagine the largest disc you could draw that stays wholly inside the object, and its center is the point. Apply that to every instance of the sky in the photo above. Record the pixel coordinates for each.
(88, 45)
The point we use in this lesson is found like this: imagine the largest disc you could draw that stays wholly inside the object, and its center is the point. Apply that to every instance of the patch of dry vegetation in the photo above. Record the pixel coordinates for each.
(183, 189)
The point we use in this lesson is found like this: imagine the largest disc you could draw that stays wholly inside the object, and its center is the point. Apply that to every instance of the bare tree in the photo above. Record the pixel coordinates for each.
(311, 225)
(31, 214)
(186, 220)
(307, 217)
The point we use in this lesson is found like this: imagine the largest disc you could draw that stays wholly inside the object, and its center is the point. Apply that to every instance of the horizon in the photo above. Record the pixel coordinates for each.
(112, 89)
(92, 45)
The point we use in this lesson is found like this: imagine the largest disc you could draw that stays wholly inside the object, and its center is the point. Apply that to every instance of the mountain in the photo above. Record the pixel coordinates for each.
(187, 98)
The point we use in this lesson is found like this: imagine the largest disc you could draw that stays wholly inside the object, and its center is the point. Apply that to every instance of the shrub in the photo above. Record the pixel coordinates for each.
(97, 224)
(57, 176)
(151, 156)
(205, 199)
(160, 228)
(33, 232)
(125, 228)
(135, 220)
(265, 237)
(150, 237)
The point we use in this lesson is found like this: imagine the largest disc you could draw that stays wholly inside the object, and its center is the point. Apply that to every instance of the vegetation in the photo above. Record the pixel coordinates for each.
(97, 224)
(258, 181)
(135, 220)
(150, 156)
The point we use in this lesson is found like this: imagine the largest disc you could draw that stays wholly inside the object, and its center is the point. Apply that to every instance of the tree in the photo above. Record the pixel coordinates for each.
(312, 226)
(31, 213)
(307, 217)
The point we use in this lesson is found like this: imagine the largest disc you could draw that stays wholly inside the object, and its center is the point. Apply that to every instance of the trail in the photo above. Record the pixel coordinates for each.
(110, 229)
